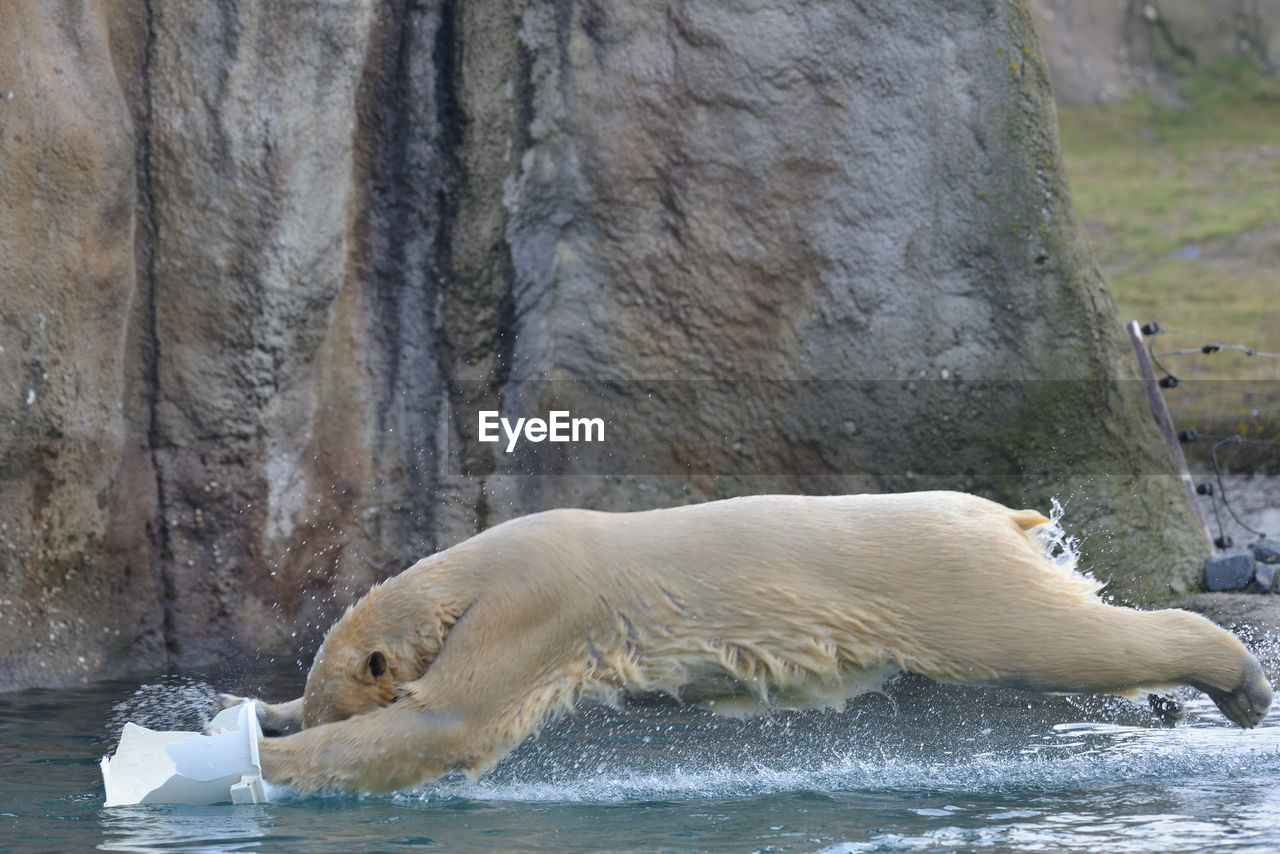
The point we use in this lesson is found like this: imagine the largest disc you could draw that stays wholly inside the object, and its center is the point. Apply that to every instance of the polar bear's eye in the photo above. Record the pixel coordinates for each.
(377, 664)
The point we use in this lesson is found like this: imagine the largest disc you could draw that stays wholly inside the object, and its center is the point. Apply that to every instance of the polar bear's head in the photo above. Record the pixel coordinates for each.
(346, 680)
(383, 642)
(359, 667)
(342, 685)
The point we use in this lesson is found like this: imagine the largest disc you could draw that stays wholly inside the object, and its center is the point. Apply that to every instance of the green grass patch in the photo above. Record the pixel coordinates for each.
(1182, 206)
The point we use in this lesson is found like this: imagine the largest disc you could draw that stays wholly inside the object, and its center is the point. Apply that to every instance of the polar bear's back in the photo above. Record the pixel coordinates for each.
(792, 538)
(923, 581)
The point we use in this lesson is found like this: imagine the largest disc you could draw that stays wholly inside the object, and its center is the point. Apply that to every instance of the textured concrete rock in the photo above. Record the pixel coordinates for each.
(78, 597)
(715, 192)
(286, 254)
(1101, 51)
(297, 395)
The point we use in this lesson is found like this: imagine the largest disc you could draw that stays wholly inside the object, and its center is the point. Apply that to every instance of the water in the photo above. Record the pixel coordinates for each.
(920, 768)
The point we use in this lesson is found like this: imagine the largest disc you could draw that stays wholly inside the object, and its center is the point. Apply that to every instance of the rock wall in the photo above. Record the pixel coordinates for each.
(263, 266)
(79, 592)
(1101, 51)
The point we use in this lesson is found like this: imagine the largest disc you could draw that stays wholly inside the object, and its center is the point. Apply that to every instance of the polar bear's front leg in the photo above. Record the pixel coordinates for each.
(392, 748)
(500, 674)
(415, 740)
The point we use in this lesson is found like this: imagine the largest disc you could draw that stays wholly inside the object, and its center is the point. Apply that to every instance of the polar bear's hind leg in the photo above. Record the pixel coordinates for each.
(1246, 704)
(1101, 648)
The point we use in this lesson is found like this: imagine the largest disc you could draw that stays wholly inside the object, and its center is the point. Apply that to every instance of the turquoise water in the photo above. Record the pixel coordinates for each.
(920, 768)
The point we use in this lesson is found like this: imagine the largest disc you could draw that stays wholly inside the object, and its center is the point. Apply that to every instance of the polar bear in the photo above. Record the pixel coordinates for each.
(784, 600)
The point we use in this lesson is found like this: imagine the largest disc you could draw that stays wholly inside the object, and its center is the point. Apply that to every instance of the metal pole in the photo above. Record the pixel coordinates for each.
(1161, 412)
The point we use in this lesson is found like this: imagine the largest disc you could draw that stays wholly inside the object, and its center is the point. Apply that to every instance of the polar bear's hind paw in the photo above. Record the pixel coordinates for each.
(1246, 704)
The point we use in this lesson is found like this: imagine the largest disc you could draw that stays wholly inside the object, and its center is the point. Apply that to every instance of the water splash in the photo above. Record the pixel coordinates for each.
(1101, 756)
(1059, 547)
(171, 703)
(672, 755)
(1062, 552)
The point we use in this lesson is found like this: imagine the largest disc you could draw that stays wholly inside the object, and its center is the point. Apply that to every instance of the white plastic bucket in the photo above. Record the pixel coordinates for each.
(166, 767)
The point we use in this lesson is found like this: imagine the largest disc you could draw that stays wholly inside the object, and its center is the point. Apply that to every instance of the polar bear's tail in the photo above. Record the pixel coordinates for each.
(1028, 519)
(1060, 550)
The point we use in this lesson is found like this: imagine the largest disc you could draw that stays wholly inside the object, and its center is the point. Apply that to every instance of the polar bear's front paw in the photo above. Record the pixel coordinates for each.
(222, 702)
(280, 718)
(273, 718)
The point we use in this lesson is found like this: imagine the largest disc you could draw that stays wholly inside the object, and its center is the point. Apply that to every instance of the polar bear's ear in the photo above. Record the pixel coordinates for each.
(375, 667)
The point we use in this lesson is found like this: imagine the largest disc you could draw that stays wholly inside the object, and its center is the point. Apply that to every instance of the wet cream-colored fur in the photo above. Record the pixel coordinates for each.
(779, 599)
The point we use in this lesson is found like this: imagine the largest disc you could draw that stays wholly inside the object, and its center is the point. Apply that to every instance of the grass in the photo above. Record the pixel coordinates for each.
(1182, 206)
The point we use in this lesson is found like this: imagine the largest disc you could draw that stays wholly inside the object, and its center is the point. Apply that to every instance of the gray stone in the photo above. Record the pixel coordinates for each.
(1229, 570)
(1264, 578)
(1265, 551)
